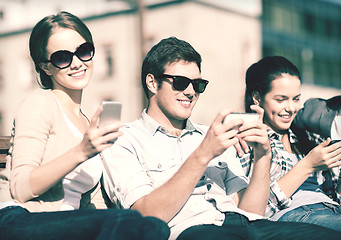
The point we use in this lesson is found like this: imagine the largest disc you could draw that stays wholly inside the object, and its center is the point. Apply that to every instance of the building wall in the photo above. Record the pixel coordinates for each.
(228, 42)
(16, 77)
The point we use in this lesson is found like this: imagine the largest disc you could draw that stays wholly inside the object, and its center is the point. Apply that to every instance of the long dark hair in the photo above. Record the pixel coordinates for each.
(258, 81)
(41, 34)
(260, 75)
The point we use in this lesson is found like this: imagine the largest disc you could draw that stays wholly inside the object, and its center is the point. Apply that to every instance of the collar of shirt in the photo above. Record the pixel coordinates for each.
(152, 126)
(276, 138)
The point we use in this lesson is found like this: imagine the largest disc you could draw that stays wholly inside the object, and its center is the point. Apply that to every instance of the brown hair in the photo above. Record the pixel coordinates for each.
(41, 34)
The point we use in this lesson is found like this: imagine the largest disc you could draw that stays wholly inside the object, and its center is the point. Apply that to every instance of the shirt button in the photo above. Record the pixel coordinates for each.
(159, 166)
(118, 189)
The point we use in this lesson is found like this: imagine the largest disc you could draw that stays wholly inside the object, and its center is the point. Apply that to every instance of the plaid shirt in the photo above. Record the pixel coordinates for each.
(280, 165)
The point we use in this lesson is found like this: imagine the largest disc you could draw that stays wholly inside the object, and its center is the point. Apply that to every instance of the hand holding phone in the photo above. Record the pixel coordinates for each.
(111, 112)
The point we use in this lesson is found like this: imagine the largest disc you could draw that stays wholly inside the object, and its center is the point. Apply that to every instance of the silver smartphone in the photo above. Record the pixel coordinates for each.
(111, 112)
(247, 117)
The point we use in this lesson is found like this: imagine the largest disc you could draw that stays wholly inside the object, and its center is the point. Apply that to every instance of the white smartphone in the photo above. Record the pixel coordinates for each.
(247, 117)
(111, 112)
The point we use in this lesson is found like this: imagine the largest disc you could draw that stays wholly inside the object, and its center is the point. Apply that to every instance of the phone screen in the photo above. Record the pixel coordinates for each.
(111, 112)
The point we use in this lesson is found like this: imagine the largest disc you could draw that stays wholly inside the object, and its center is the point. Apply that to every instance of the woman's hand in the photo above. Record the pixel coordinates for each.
(323, 156)
(97, 138)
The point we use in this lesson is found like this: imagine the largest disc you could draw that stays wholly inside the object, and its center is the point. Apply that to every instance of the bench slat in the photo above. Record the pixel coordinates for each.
(4, 147)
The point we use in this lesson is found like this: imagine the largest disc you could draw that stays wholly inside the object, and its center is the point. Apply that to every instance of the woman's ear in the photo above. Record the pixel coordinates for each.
(256, 98)
(151, 83)
(45, 68)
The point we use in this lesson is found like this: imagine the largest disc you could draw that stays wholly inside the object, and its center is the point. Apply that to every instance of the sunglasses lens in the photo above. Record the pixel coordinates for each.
(61, 59)
(85, 52)
(199, 86)
(180, 83)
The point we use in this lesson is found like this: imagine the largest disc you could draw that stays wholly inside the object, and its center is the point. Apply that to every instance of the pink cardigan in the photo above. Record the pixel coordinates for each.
(40, 135)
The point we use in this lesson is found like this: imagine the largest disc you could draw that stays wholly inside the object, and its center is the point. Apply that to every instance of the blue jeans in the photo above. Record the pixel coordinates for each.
(323, 214)
(18, 223)
(238, 227)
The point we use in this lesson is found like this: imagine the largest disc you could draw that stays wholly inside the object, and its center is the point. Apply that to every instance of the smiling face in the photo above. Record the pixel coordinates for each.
(171, 107)
(78, 74)
(282, 103)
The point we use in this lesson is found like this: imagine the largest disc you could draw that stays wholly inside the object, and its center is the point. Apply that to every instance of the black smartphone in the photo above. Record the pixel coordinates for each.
(333, 141)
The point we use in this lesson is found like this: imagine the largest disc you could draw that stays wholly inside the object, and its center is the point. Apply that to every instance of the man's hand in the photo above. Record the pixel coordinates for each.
(220, 135)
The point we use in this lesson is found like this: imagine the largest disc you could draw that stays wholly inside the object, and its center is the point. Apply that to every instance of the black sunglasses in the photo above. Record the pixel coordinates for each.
(180, 83)
(63, 58)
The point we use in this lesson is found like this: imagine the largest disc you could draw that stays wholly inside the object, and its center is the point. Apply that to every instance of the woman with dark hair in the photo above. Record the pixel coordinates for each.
(55, 159)
(295, 191)
(55, 166)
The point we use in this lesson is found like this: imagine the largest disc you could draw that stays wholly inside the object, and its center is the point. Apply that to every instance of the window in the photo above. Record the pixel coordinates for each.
(1, 124)
(1, 76)
(328, 27)
(309, 22)
(1, 15)
(108, 61)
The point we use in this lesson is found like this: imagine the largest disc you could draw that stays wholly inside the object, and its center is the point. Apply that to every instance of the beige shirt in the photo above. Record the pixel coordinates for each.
(147, 156)
(41, 134)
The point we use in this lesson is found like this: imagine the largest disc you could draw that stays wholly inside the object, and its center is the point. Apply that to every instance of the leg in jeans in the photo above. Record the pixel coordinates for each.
(18, 223)
(322, 214)
(237, 226)
(210, 232)
(265, 229)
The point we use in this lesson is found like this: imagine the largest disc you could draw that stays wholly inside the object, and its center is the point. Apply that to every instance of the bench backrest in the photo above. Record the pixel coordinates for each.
(4, 147)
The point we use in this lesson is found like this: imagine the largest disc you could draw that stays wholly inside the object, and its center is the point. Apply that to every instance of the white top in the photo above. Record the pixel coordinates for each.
(9, 204)
(82, 178)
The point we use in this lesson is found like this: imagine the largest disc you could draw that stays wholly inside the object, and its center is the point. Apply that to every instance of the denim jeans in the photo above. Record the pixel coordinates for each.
(323, 214)
(18, 223)
(237, 226)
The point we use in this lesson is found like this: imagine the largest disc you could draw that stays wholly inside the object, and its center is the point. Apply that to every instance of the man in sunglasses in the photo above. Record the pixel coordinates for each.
(187, 174)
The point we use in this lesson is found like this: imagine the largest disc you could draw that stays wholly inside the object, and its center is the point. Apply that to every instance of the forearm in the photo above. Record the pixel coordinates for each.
(46, 176)
(167, 200)
(294, 178)
(255, 197)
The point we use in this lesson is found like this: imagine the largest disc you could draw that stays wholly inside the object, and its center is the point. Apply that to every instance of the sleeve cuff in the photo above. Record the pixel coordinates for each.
(277, 197)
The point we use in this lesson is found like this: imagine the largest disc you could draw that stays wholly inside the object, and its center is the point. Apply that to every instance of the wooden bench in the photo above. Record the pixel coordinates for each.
(4, 147)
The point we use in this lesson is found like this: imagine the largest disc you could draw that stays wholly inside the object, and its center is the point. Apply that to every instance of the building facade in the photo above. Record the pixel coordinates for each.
(226, 51)
(308, 32)
(227, 33)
